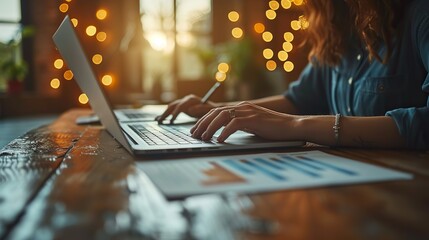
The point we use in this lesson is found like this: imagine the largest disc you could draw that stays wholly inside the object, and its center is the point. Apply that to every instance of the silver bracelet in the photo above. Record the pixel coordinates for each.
(336, 128)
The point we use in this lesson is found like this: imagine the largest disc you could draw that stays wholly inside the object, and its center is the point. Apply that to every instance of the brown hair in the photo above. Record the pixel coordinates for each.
(334, 22)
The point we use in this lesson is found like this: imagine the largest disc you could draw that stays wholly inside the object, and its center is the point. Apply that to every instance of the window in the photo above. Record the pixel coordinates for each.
(174, 31)
(10, 16)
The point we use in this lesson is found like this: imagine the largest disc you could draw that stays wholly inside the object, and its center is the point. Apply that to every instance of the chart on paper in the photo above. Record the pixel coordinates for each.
(261, 172)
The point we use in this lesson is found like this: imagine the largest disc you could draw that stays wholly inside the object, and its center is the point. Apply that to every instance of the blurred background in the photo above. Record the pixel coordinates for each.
(148, 51)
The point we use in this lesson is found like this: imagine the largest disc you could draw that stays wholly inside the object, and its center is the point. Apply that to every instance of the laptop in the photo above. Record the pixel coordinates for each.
(143, 137)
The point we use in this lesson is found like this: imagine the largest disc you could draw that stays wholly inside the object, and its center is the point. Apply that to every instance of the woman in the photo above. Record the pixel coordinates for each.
(366, 85)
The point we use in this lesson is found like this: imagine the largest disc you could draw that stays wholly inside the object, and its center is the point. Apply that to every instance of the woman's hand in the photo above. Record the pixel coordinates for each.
(190, 105)
(247, 117)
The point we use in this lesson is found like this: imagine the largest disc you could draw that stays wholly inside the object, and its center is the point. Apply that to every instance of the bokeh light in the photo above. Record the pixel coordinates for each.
(233, 16)
(271, 65)
(74, 21)
(288, 36)
(267, 36)
(101, 14)
(220, 76)
(237, 32)
(55, 83)
(107, 80)
(288, 66)
(68, 75)
(91, 30)
(97, 58)
(101, 36)
(268, 53)
(282, 55)
(58, 63)
(83, 99)
(270, 14)
(64, 7)
(223, 67)
(259, 27)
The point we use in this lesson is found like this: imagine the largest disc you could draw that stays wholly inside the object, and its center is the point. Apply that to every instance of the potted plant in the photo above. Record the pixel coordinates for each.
(12, 67)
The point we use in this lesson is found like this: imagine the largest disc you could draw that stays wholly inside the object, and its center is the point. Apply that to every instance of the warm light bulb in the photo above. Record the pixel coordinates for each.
(233, 16)
(259, 27)
(288, 66)
(267, 36)
(270, 14)
(220, 76)
(288, 36)
(223, 67)
(268, 53)
(101, 36)
(286, 4)
(74, 21)
(91, 30)
(237, 32)
(101, 14)
(287, 46)
(274, 5)
(107, 80)
(295, 25)
(271, 65)
(298, 2)
(283, 56)
(68, 75)
(97, 58)
(58, 63)
(55, 83)
(64, 7)
(83, 99)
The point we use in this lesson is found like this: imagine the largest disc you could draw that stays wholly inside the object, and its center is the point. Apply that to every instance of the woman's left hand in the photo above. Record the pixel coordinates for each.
(247, 117)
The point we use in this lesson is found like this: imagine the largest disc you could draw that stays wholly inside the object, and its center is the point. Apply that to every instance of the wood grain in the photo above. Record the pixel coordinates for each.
(65, 181)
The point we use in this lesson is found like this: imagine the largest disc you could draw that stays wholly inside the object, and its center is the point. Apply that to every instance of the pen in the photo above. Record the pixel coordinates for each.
(210, 92)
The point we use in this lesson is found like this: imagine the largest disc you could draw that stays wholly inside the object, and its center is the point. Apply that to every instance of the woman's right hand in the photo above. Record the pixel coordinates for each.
(190, 105)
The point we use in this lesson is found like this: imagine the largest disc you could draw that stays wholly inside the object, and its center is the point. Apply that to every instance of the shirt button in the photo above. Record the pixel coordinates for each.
(359, 57)
(350, 80)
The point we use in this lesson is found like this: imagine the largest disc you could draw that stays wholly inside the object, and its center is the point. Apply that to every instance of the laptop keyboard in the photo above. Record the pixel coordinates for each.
(164, 135)
(137, 115)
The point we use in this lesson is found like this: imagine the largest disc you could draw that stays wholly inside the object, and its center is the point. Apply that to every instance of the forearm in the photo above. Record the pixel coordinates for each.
(371, 132)
(276, 103)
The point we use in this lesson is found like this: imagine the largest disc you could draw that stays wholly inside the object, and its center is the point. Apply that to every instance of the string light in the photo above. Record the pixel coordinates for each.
(74, 21)
(288, 66)
(220, 76)
(64, 7)
(268, 53)
(288, 36)
(107, 80)
(233, 16)
(267, 36)
(68, 75)
(83, 99)
(223, 67)
(101, 14)
(270, 14)
(237, 32)
(282, 55)
(286, 4)
(101, 36)
(58, 63)
(55, 83)
(97, 58)
(91, 30)
(271, 65)
(287, 46)
(259, 27)
(274, 5)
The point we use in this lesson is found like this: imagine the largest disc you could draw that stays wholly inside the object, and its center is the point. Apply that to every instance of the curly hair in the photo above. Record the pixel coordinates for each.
(334, 22)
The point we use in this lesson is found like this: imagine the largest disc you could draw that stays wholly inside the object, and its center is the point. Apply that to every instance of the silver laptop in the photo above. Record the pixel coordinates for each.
(142, 137)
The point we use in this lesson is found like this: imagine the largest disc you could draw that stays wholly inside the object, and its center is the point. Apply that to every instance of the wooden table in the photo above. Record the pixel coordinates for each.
(65, 181)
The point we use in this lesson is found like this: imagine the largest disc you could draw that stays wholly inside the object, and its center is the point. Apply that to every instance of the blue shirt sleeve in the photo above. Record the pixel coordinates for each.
(308, 93)
(413, 123)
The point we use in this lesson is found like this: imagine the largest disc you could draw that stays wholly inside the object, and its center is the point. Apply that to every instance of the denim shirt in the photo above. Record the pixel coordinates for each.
(360, 87)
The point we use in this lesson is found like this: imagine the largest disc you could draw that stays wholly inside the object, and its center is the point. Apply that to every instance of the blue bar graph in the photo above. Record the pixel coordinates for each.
(298, 168)
(238, 166)
(307, 164)
(265, 171)
(275, 166)
(333, 167)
